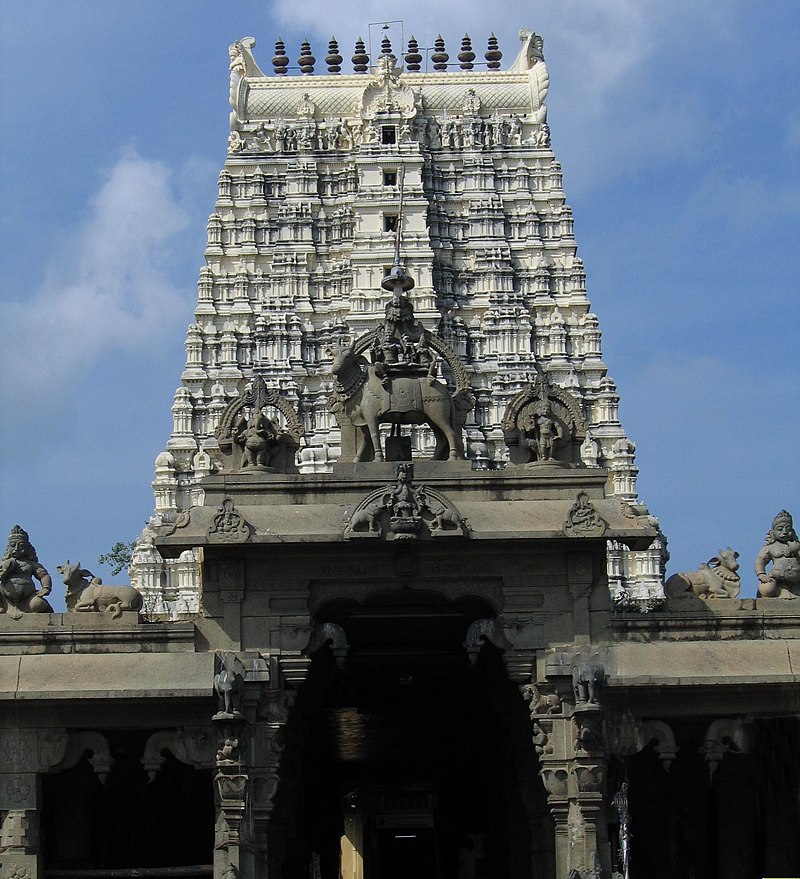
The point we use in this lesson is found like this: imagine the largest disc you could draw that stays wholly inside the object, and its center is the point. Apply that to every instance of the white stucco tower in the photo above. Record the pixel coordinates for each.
(304, 229)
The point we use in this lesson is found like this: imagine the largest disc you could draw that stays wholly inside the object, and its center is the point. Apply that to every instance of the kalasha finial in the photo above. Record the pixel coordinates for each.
(466, 56)
(413, 58)
(493, 54)
(386, 45)
(279, 61)
(360, 58)
(333, 59)
(306, 59)
(439, 56)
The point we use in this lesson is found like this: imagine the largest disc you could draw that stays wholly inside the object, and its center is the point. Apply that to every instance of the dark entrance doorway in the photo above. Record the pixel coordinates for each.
(405, 851)
(412, 753)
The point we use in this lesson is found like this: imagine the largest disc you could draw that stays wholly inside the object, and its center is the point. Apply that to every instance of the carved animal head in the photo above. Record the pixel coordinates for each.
(727, 559)
(344, 359)
(75, 577)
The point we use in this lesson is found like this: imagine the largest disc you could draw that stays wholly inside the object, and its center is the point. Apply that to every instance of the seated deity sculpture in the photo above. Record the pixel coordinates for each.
(19, 567)
(782, 551)
(257, 438)
(250, 440)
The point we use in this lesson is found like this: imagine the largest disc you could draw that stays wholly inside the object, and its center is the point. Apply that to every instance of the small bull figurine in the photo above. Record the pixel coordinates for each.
(716, 578)
(85, 592)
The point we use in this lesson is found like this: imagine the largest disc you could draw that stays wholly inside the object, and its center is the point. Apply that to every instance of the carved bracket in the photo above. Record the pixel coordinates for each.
(76, 745)
(727, 735)
(332, 635)
(229, 525)
(583, 520)
(192, 746)
(481, 631)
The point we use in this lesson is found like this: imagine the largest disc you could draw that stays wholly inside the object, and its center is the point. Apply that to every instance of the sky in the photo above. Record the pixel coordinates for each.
(678, 127)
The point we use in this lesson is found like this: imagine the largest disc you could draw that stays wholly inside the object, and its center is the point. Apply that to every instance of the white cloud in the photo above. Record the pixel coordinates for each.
(107, 288)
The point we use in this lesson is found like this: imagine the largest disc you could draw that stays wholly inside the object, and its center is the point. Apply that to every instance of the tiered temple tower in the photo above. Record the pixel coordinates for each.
(304, 229)
(394, 504)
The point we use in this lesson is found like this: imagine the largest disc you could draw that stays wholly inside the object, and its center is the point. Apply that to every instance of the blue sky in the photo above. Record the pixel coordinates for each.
(678, 127)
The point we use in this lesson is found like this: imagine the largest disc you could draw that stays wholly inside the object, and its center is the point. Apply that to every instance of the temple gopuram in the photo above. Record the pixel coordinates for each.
(399, 611)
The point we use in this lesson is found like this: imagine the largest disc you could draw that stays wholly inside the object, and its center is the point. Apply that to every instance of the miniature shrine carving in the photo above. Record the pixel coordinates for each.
(19, 566)
(250, 440)
(399, 384)
(583, 520)
(544, 425)
(782, 551)
(404, 510)
(716, 578)
(229, 526)
(85, 592)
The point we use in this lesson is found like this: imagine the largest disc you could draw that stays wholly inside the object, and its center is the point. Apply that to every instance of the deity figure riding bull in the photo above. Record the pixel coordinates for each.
(398, 385)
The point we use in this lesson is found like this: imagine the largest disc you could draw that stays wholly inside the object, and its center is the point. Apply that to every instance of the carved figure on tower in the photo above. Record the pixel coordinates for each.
(782, 551)
(249, 439)
(398, 385)
(544, 425)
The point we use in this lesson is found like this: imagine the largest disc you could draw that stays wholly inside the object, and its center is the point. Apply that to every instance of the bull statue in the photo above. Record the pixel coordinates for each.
(368, 395)
(85, 592)
(716, 578)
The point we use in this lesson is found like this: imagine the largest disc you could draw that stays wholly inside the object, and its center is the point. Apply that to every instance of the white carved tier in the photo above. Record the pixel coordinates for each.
(300, 239)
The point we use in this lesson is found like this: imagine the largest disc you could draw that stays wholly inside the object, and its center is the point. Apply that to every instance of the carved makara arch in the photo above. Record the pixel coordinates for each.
(191, 746)
(61, 749)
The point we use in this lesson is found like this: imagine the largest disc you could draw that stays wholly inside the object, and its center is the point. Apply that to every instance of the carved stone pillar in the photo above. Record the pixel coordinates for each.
(233, 849)
(20, 803)
(570, 745)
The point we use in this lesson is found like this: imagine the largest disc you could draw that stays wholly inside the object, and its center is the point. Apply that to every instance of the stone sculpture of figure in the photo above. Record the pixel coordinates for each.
(782, 550)
(18, 568)
(541, 432)
(257, 437)
(228, 685)
(587, 681)
(583, 520)
(406, 501)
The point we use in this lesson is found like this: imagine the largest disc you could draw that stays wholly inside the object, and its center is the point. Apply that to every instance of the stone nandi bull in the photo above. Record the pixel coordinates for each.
(716, 578)
(85, 592)
(367, 401)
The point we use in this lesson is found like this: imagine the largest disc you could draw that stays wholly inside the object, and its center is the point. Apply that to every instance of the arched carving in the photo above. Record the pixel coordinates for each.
(194, 747)
(77, 744)
(543, 424)
(726, 735)
(403, 511)
(248, 437)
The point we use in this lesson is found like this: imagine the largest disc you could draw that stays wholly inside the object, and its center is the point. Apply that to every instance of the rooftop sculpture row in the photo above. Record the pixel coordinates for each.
(777, 567)
(20, 568)
(306, 61)
(402, 509)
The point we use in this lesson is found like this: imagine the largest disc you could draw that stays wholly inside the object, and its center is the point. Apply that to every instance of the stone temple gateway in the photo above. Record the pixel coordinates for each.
(399, 611)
